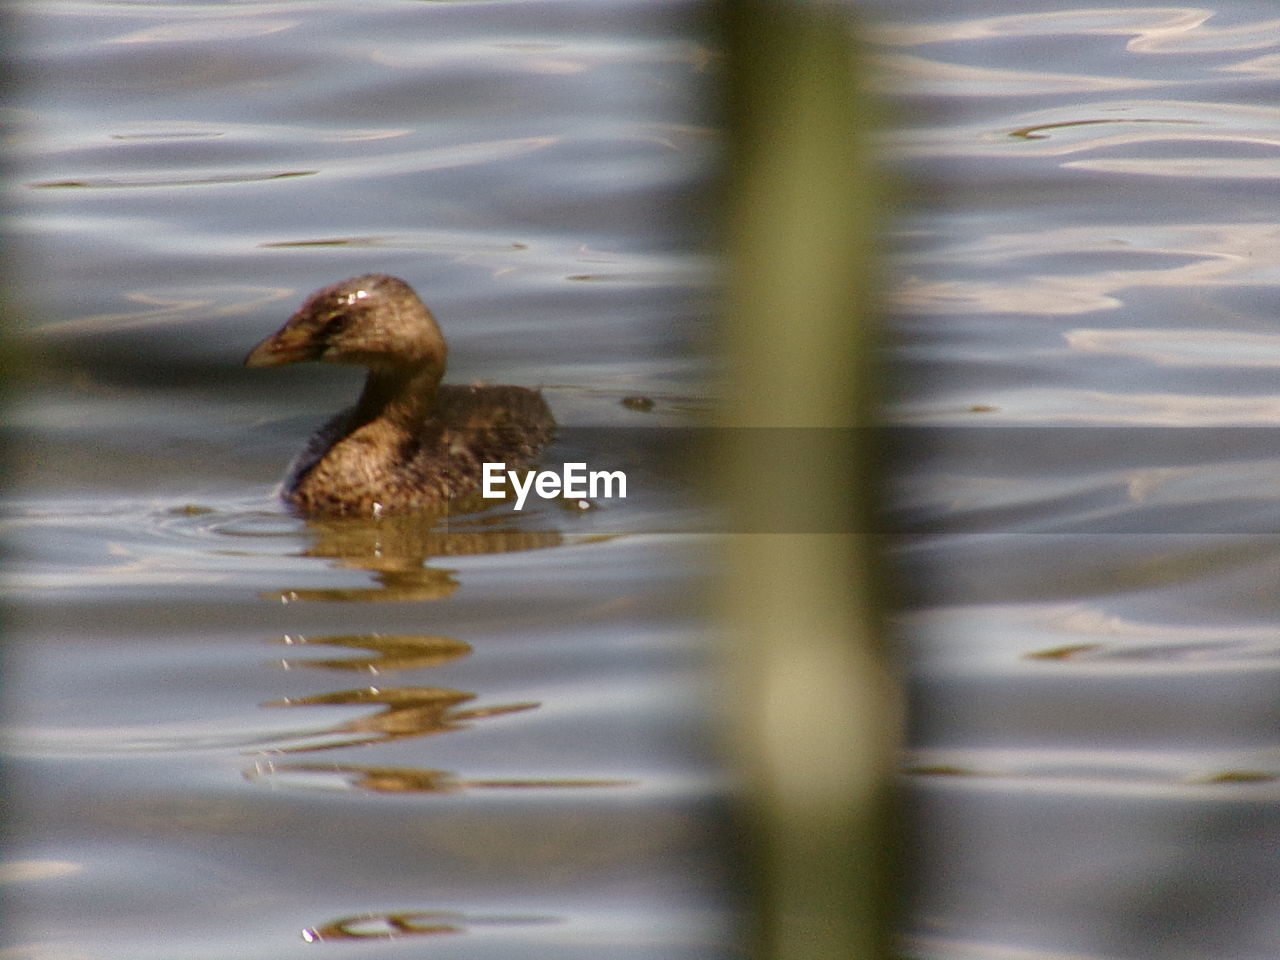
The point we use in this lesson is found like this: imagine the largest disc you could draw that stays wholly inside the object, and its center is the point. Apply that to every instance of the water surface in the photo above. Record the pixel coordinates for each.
(1086, 320)
(233, 734)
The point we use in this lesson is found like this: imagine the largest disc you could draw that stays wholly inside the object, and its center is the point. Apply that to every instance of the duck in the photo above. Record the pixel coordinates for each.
(410, 443)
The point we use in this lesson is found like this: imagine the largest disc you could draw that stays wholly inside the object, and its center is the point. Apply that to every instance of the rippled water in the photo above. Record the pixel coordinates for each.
(234, 734)
(1087, 308)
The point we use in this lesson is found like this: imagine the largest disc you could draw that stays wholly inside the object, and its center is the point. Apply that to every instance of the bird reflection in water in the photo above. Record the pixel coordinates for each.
(408, 779)
(408, 712)
(389, 652)
(398, 550)
(392, 926)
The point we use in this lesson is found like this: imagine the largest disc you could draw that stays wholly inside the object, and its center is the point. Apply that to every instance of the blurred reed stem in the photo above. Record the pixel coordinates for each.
(812, 703)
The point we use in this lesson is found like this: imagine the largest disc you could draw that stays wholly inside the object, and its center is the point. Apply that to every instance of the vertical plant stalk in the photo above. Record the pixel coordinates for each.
(813, 706)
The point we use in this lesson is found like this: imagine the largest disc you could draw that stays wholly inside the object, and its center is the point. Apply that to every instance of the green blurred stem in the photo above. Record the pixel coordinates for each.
(814, 709)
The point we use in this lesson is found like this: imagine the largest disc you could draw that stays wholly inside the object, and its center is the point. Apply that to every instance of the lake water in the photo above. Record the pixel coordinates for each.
(1085, 315)
(231, 733)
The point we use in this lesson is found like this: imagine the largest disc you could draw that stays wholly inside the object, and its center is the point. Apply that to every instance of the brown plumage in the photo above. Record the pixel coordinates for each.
(409, 443)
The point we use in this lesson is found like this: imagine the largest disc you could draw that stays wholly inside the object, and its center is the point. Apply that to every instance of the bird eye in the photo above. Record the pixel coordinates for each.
(334, 324)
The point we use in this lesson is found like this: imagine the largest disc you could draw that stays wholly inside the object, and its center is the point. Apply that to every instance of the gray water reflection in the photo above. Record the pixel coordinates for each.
(1091, 653)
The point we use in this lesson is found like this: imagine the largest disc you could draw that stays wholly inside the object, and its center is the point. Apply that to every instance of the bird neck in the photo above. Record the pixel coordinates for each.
(402, 397)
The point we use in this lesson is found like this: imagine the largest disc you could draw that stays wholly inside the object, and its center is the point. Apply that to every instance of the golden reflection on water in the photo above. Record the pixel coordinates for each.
(397, 551)
(390, 653)
(390, 926)
(409, 779)
(383, 926)
(407, 712)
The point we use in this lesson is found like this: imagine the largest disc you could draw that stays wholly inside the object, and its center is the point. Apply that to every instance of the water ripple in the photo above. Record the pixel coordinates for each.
(1153, 30)
(1194, 255)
